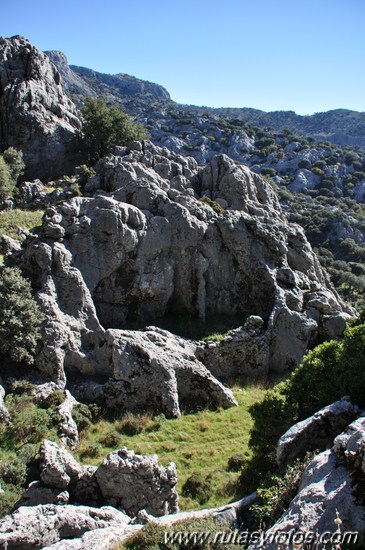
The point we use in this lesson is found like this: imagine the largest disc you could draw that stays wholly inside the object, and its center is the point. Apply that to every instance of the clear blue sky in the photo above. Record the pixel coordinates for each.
(301, 55)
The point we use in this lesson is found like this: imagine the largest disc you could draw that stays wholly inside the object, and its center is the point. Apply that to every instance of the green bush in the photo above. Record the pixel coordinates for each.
(21, 316)
(110, 439)
(277, 493)
(236, 462)
(105, 127)
(197, 487)
(92, 451)
(14, 160)
(7, 185)
(13, 472)
(82, 416)
(213, 204)
(84, 172)
(327, 373)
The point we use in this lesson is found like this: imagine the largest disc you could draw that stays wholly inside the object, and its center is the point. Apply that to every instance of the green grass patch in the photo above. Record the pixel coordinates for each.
(202, 442)
(12, 220)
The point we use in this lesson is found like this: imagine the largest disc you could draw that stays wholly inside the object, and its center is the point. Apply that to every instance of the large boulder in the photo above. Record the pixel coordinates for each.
(316, 432)
(36, 115)
(134, 482)
(153, 369)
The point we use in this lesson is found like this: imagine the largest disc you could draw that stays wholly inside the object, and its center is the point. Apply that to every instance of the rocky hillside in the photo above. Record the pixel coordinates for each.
(36, 115)
(151, 236)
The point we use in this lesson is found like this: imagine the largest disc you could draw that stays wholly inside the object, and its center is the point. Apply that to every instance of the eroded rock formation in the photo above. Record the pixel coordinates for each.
(36, 116)
(125, 480)
(158, 235)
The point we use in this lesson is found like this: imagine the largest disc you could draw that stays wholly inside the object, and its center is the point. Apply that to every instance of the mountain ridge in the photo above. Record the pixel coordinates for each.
(340, 126)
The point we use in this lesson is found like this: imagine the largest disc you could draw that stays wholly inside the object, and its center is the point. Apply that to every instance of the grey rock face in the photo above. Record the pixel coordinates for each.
(135, 482)
(125, 480)
(40, 526)
(315, 432)
(330, 482)
(145, 245)
(152, 369)
(58, 468)
(37, 117)
(67, 428)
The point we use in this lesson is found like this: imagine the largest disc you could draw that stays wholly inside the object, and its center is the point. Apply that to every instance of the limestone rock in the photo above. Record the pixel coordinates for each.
(145, 246)
(326, 486)
(4, 413)
(135, 482)
(36, 527)
(36, 493)
(152, 369)
(58, 468)
(242, 354)
(67, 428)
(331, 482)
(316, 432)
(38, 117)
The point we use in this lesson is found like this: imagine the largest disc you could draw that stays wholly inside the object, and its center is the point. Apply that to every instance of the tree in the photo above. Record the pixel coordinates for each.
(14, 160)
(11, 167)
(7, 184)
(105, 127)
(20, 316)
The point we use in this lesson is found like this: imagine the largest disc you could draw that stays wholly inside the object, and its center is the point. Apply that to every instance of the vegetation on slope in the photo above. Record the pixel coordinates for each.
(328, 372)
(202, 443)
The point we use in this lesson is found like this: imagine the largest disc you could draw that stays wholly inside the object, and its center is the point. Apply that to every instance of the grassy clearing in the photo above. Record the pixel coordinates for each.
(12, 220)
(202, 442)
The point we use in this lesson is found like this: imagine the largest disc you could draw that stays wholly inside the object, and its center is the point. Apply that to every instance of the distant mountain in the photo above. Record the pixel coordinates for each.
(339, 126)
(79, 81)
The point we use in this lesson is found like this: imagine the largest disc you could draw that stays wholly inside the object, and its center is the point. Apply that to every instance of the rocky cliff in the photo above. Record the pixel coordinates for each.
(157, 235)
(35, 114)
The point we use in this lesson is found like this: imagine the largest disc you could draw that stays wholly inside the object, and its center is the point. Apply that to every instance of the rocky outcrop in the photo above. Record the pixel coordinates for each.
(35, 114)
(108, 528)
(149, 243)
(44, 525)
(67, 427)
(155, 370)
(332, 483)
(133, 482)
(125, 480)
(316, 432)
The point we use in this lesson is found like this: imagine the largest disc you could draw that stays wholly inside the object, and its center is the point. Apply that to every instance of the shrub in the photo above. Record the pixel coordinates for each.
(82, 416)
(29, 423)
(277, 493)
(197, 487)
(327, 373)
(213, 204)
(132, 424)
(152, 536)
(92, 451)
(75, 188)
(84, 172)
(104, 127)
(20, 316)
(110, 439)
(13, 472)
(14, 160)
(236, 462)
(7, 185)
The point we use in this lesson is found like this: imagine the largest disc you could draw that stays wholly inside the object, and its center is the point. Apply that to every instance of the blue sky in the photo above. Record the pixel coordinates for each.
(300, 55)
